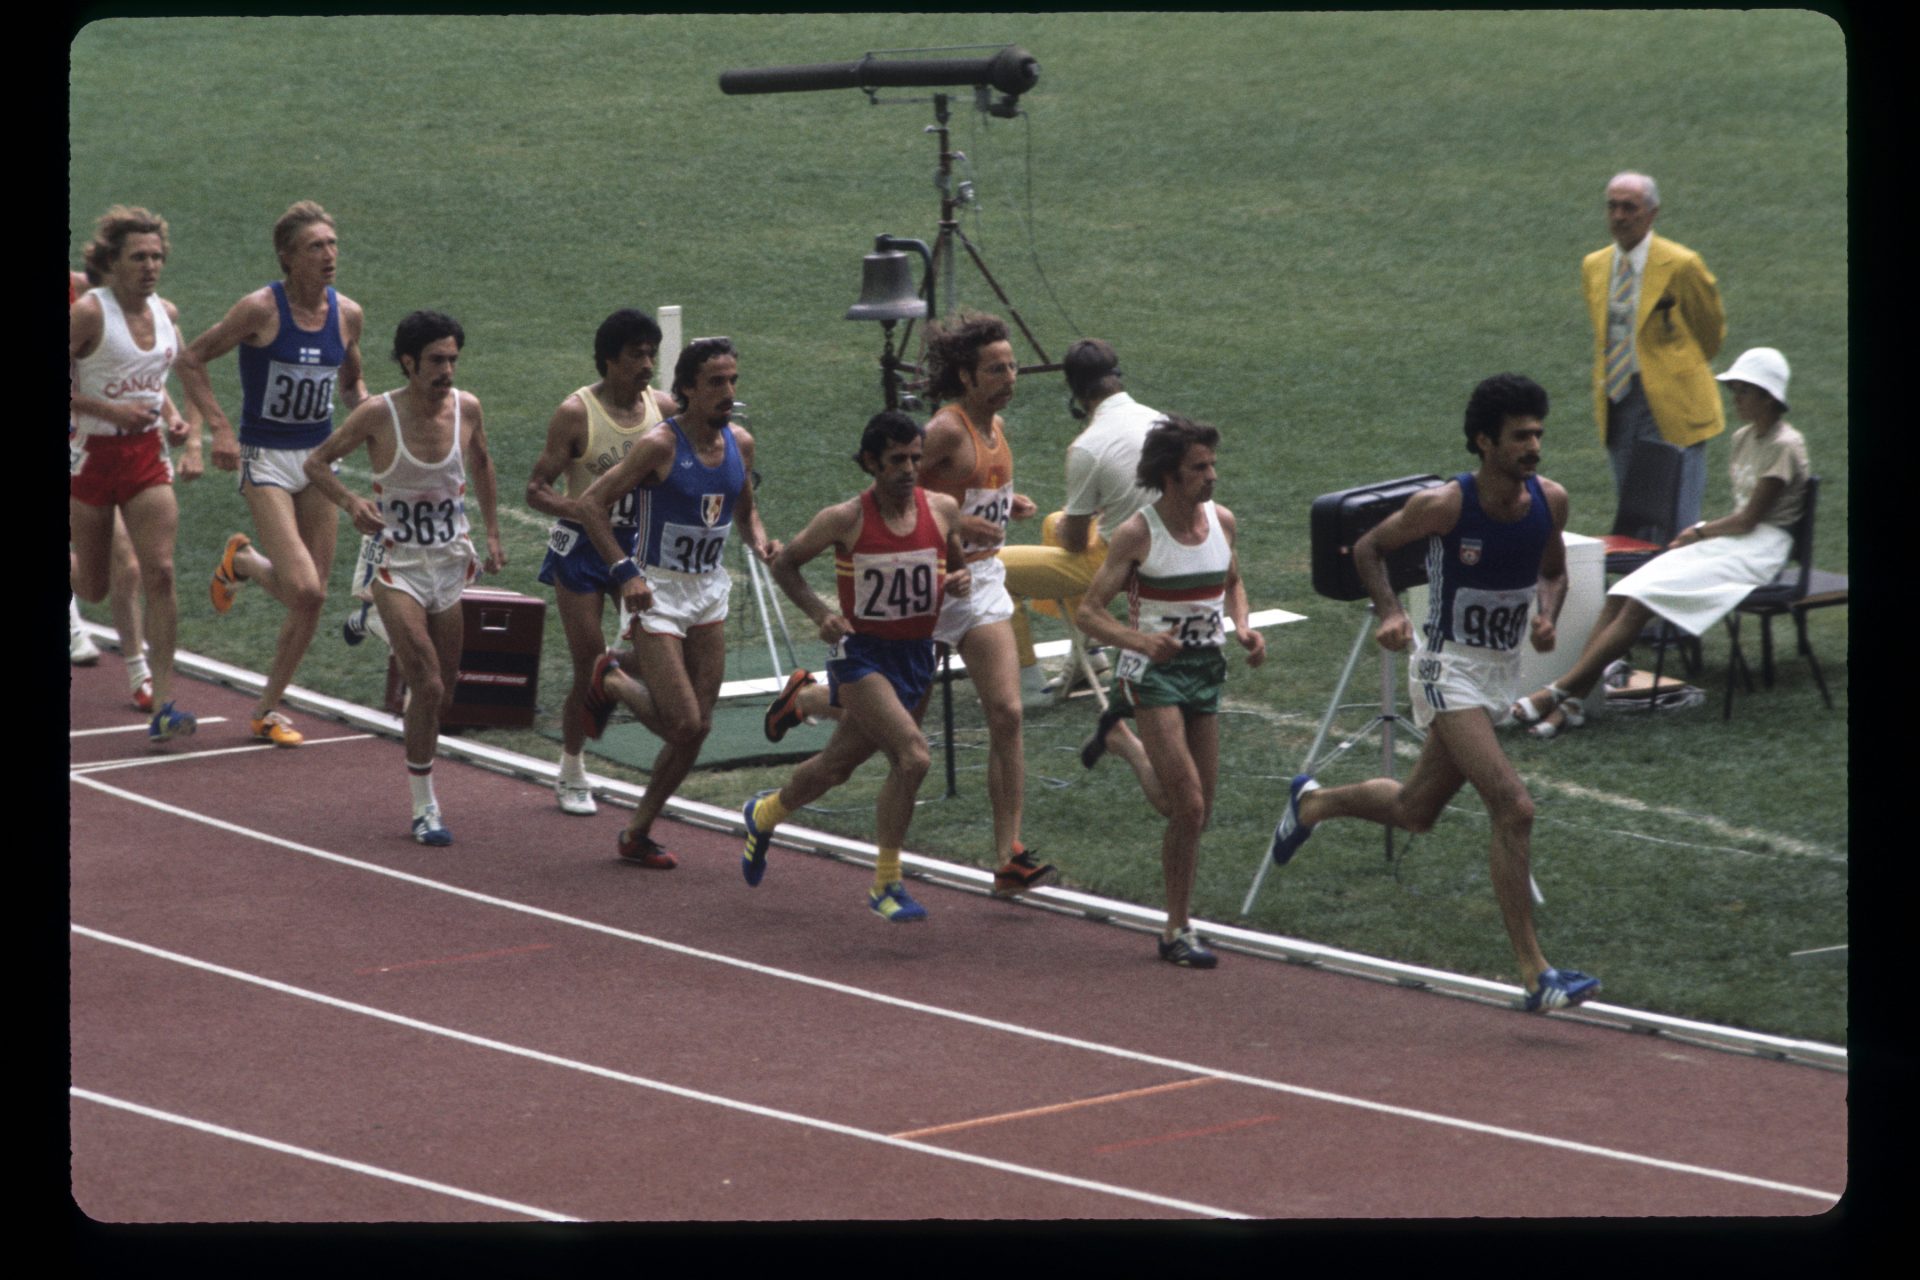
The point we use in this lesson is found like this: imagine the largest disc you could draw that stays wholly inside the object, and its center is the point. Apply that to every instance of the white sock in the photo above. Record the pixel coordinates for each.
(73, 612)
(573, 768)
(137, 671)
(420, 782)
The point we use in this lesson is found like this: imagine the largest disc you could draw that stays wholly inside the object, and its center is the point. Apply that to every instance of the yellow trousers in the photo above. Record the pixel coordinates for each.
(1046, 574)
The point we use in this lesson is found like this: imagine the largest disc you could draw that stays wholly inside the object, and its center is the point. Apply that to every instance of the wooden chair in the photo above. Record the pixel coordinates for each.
(1798, 590)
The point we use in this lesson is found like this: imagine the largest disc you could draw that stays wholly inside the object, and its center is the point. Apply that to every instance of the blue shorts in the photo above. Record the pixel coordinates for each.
(573, 563)
(907, 665)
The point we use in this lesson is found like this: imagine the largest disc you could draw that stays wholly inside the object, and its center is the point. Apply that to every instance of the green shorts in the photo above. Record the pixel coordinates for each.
(1191, 682)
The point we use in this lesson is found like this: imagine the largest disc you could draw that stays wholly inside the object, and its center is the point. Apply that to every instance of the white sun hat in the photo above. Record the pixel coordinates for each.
(1765, 368)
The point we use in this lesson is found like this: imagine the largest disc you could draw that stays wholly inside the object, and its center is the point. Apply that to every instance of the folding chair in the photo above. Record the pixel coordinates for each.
(1644, 523)
(1799, 589)
(1078, 665)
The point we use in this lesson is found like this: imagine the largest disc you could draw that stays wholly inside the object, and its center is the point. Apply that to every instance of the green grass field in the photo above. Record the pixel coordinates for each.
(1315, 230)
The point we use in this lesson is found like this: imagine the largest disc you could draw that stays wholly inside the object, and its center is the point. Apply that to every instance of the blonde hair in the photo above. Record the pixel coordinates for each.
(110, 235)
(299, 214)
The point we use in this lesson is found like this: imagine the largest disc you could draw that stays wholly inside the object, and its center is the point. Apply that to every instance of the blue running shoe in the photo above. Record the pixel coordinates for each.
(1559, 988)
(354, 629)
(1290, 833)
(753, 859)
(894, 906)
(168, 723)
(428, 829)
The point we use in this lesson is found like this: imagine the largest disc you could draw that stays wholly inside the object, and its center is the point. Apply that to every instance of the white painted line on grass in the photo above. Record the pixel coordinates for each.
(1721, 828)
(306, 1153)
(991, 1024)
(661, 1086)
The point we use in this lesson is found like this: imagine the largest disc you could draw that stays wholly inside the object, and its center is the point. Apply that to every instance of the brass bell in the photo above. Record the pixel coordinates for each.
(887, 291)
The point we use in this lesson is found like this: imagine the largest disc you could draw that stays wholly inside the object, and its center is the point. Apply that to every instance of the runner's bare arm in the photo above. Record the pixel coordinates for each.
(350, 435)
(1130, 545)
(566, 440)
(1429, 513)
(757, 541)
(352, 377)
(1248, 636)
(252, 320)
(486, 485)
(836, 526)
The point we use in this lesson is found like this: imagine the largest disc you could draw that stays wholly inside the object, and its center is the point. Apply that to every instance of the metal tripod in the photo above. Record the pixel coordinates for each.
(1387, 721)
(941, 267)
(766, 596)
(766, 606)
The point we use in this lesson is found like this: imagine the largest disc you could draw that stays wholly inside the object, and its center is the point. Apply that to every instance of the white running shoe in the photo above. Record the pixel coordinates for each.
(575, 796)
(81, 650)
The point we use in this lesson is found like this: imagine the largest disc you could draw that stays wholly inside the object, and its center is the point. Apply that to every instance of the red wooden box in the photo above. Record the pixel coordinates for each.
(499, 662)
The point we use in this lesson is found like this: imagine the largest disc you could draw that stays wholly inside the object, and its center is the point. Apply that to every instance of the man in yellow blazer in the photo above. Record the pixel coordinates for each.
(1657, 323)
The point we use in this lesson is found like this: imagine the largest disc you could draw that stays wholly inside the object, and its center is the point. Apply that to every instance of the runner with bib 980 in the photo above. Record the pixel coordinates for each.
(1497, 573)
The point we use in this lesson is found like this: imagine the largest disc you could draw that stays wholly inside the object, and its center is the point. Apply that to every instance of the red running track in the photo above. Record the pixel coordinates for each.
(282, 1009)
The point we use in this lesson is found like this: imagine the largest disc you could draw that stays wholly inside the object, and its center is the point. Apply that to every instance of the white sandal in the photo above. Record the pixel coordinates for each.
(1573, 716)
(1523, 709)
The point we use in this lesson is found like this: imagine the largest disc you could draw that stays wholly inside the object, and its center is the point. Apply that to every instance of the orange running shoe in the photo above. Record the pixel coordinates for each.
(226, 580)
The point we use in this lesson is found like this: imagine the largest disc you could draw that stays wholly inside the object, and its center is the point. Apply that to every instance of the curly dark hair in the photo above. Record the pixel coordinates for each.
(889, 426)
(1503, 396)
(420, 329)
(955, 345)
(1166, 446)
(621, 330)
(686, 370)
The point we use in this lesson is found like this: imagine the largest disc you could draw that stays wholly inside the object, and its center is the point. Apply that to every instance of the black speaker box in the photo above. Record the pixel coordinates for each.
(1338, 519)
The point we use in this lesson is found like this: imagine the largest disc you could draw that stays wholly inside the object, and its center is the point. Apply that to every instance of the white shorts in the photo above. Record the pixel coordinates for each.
(985, 603)
(1460, 678)
(434, 577)
(275, 468)
(682, 601)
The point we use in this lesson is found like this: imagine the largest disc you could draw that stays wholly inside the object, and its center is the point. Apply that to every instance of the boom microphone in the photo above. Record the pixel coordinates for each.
(1012, 70)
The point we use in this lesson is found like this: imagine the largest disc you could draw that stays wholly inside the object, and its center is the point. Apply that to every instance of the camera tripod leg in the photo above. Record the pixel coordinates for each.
(1385, 720)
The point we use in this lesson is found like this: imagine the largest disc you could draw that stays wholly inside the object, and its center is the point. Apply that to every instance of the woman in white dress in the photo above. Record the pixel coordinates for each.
(1711, 566)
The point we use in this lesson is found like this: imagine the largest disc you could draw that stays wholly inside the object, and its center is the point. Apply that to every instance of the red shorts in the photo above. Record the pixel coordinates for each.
(107, 471)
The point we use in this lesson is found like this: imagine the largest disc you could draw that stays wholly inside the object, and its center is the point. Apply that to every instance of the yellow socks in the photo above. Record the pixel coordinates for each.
(769, 813)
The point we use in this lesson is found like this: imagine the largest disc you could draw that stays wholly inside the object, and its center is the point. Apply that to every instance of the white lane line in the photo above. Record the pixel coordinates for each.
(176, 757)
(133, 728)
(661, 1086)
(305, 1153)
(1048, 1037)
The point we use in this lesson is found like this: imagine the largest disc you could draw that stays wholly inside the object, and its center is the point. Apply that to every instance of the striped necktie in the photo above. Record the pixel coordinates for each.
(1620, 350)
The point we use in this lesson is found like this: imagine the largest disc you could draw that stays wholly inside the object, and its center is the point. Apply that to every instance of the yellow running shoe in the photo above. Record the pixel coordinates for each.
(274, 727)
